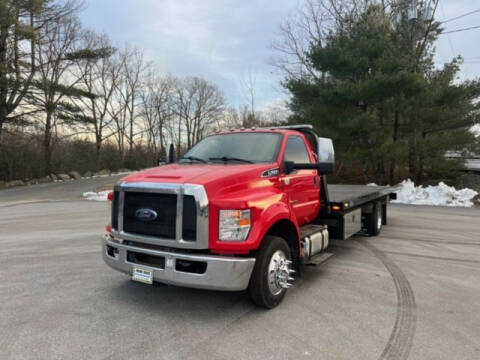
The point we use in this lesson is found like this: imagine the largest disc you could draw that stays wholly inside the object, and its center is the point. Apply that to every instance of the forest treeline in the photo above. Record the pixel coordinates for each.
(71, 100)
(360, 71)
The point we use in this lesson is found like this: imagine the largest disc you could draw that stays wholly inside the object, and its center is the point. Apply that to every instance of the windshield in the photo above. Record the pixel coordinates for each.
(236, 148)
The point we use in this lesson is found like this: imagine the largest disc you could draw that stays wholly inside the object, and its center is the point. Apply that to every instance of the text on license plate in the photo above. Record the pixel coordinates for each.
(142, 275)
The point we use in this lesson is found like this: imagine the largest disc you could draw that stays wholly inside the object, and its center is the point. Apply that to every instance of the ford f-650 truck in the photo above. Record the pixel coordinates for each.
(243, 209)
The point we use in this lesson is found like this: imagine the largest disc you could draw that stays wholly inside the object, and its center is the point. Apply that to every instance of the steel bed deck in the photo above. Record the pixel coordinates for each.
(354, 195)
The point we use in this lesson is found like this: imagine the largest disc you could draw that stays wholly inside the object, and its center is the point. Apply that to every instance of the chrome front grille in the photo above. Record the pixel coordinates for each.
(164, 206)
(182, 214)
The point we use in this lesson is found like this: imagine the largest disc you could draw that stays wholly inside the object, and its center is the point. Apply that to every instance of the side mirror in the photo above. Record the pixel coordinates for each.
(326, 156)
(326, 153)
(171, 154)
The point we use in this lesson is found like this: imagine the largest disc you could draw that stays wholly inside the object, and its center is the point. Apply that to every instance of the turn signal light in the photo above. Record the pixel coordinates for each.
(108, 227)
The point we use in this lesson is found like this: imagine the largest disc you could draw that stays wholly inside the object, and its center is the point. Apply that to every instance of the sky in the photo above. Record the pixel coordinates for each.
(227, 41)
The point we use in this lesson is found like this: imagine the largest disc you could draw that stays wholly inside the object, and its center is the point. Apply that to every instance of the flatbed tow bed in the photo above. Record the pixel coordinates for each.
(355, 208)
(356, 195)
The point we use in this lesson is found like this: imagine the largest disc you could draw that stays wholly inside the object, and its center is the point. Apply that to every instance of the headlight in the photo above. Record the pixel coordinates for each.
(234, 225)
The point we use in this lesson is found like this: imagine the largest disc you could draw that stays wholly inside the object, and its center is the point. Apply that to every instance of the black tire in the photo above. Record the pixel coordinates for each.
(376, 220)
(258, 288)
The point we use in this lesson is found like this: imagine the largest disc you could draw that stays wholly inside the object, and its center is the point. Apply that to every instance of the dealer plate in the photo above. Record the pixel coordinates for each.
(143, 275)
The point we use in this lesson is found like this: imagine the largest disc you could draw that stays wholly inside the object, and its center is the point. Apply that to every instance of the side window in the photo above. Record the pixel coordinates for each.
(296, 150)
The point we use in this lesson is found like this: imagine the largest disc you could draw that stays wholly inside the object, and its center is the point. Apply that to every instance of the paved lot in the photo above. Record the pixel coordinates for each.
(412, 292)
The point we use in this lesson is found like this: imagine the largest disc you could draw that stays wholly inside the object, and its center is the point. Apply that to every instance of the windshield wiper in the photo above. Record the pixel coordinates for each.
(227, 158)
(194, 158)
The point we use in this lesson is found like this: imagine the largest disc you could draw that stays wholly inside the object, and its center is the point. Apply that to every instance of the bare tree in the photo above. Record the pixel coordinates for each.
(309, 25)
(134, 69)
(127, 96)
(157, 110)
(198, 106)
(248, 84)
(99, 76)
(229, 119)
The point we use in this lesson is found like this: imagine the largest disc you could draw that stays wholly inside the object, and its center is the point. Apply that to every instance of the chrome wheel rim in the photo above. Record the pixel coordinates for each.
(279, 273)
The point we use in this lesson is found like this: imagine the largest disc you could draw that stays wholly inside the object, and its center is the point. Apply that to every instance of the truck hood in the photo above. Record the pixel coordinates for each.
(217, 178)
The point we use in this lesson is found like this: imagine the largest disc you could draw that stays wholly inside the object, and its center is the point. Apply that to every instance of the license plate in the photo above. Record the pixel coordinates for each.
(142, 275)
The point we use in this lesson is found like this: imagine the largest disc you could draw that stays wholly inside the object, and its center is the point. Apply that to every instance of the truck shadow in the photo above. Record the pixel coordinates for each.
(175, 300)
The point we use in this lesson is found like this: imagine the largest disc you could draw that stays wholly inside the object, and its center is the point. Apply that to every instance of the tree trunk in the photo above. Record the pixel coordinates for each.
(47, 145)
(162, 145)
(421, 159)
(98, 147)
(179, 138)
(3, 120)
(412, 156)
(382, 173)
(395, 137)
(130, 150)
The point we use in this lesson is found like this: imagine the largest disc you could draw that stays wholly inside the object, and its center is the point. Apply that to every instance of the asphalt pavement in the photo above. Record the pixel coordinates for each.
(413, 292)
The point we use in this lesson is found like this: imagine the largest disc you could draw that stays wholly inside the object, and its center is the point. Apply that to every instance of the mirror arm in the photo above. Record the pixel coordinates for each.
(323, 168)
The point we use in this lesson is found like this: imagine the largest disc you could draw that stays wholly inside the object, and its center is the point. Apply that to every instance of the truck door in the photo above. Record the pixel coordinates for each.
(301, 186)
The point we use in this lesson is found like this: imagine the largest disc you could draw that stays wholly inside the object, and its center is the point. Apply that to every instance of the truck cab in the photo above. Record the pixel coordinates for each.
(242, 209)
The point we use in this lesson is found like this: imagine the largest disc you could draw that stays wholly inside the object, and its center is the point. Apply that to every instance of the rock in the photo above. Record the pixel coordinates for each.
(124, 170)
(103, 172)
(53, 177)
(63, 177)
(44, 180)
(14, 183)
(476, 201)
(75, 175)
(88, 174)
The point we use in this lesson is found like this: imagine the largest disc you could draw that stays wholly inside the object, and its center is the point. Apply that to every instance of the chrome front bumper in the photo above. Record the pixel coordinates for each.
(222, 272)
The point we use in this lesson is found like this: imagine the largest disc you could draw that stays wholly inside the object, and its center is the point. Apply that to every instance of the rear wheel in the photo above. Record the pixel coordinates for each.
(271, 274)
(376, 220)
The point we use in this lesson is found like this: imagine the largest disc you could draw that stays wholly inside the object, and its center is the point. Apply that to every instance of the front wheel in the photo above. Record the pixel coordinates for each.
(271, 274)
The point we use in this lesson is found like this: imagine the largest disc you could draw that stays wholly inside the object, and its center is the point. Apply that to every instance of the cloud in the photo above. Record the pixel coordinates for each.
(218, 40)
(223, 40)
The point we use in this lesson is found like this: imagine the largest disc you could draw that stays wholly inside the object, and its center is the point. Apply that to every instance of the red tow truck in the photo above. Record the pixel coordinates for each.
(243, 209)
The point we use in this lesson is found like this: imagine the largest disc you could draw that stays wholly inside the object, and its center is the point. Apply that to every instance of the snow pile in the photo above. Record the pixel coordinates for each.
(96, 196)
(440, 195)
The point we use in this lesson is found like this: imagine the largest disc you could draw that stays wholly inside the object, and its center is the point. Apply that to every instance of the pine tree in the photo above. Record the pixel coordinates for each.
(21, 22)
(383, 102)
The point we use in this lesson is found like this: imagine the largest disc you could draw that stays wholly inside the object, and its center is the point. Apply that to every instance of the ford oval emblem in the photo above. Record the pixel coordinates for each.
(146, 214)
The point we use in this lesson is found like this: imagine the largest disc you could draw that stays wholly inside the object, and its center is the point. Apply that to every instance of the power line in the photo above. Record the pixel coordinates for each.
(449, 37)
(459, 30)
(461, 16)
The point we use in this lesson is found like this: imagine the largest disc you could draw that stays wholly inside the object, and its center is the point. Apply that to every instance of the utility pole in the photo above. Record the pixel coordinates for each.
(418, 14)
